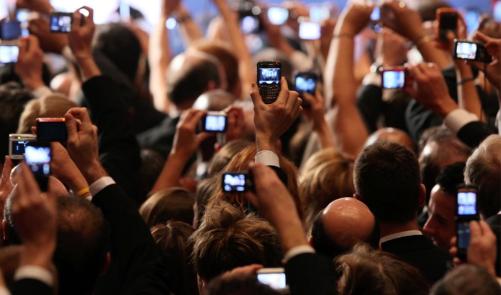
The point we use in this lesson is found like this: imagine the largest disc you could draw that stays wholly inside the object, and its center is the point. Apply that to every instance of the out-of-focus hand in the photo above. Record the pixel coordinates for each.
(49, 42)
(42, 6)
(34, 216)
(242, 272)
(63, 168)
(275, 203)
(82, 32)
(403, 20)
(5, 183)
(272, 120)
(493, 70)
(393, 48)
(186, 140)
(169, 7)
(354, 18)
(432, 90)
(482, 248)
(236, 123)
(29, 64)
(316, 110)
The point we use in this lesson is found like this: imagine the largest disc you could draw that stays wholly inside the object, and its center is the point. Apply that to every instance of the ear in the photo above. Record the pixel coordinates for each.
(422, 196)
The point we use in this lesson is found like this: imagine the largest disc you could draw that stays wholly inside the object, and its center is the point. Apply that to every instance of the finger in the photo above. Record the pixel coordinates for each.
(479, 36)
(71, 127)
(27, 183)
(309, 98)
(283, 95)
(90, 17)
(257, 100)
(486, 230)
(252, 198)
(292, 101)
(83, 115)
(76, 21)
(34, 44)
(203, 136)
(7, 167)
(475, 230)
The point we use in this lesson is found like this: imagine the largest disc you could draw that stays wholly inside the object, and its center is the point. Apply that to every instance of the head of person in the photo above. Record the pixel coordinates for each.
(386, 178)
(227, 238)
(172, 204)
(214, 100)
(205, 189)
(13, 98)
(225, 154)
(234, 285)
(467, 280)
(441, 226)
(189, 75)
(483, 169)
(172, 237)
(342, 224)
(228, 61)
(365, 271)
(439, 147)
(327, 175)
(152, 163)
(50, 106)
(391, 135)
(82, 243)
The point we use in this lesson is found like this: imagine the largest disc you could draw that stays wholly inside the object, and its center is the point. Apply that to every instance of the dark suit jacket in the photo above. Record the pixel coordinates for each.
(137, 265)
(495, 224)
(161, 137)
(310, 274)
(420, 252)
(30, 287)
(473, 133)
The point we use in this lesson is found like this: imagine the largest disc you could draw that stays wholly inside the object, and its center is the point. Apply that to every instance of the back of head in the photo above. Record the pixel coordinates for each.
(467, 280)
(225, 154)
(224, 285)
(391, 135)
(214, 100)
(13, 98)
(227, 238)
(171, 204)
(50, 106)
(365, 271)
(82, 244)
(483, 169)
(387, 179)
(328, 175)
(111, 40)
(205, 189)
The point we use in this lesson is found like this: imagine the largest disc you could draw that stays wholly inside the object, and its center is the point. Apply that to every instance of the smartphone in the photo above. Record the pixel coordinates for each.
(60, 22)
(447, 22)
(236, 182)
(10, 30)
(52, 129)
(273, 277)
(249, 15)
(9, 53)
(306, 82)
(269, 74)
(466, 211)
(309, 30)
(214, 122)
(277, 15)
(320, 13)
(469, 50)
(18, 143)
(38, 157)
(393, 78)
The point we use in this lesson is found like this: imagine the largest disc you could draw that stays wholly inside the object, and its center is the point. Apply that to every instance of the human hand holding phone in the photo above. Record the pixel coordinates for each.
(30, 61)
(186, 140)
(493, 69)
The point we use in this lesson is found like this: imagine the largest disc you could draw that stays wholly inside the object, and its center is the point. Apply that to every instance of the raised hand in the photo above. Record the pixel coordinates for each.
(29, 64)
(64, 169)
(42, 6)
(403, 20)
(354, 18)
(82, 32)
(493, 70)
(5, 183)
(186, 140)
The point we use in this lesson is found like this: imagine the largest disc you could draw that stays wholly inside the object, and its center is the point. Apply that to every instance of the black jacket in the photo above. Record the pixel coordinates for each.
(30, 287)
(495, 224)
(310, 274)
(473, 133)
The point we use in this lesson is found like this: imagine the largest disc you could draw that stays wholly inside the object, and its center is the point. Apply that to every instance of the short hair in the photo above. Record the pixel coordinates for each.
(467, 280)
(387, 179)
(205, 189)
(483, 169)
(49, 106)
(451, 177)
(223, 285)
(367, 271)
(225, 154)
(227, 238)
(171, 204)
(13, 98)
(172, 238)
(328, 175)
(152, 163)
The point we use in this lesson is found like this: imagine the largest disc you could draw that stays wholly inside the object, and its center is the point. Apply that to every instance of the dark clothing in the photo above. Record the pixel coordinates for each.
(310, 274)
(30, 287)
(420, 252)
(495, 224)
(161, 137)
(473, 133)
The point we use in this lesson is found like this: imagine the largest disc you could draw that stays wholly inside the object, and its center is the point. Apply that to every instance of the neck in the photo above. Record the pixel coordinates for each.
(386, 229)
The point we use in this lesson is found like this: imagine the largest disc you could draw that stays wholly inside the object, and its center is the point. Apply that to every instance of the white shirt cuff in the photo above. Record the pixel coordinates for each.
(41, 91)
(297, 251)
(99, 185)
(34, 273)
(4, 291)
(457, 119)
(267, 158)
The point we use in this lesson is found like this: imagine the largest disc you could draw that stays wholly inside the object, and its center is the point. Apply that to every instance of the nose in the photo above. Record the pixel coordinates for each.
(428, 228)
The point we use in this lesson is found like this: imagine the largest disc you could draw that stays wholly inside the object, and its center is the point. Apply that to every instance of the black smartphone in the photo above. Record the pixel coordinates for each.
(10, 30)
(269, 74)
(18, 143)
(9, 53)
(52, 129)
(273, 277)
(214, 122)
(38, 157)
(393, 78)
(60, 22)
(466, 211)
(447, 22)
(469, 50)
(236, 182)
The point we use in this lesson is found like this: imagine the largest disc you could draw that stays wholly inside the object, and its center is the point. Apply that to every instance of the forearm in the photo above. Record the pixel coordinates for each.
(189, 29)
(88, 67)
(468, 98)
(159, 57)
(171, 172)
(350, 131)
(430, 53)
(325, 134)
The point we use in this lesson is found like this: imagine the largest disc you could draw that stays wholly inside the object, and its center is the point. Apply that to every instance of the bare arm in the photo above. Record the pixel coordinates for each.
(468, 98)
(189, 29)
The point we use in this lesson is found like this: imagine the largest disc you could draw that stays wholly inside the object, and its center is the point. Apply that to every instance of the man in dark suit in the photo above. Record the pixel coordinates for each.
(386, 178)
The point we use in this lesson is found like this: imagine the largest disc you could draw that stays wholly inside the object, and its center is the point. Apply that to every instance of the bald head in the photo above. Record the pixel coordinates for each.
(391, 135)
(347, 221)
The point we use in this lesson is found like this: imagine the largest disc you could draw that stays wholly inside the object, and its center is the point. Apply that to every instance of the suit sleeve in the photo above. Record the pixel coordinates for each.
(310, 274)
(30, 287)
(473, 133)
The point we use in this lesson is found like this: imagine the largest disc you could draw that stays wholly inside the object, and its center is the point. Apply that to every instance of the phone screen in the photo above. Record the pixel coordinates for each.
(235, 182)
(278, 15)
(249, 24)
(394, 79)
(309, 30)
(9, 54)
(269, 76)
(60, 22)
(466, 203)
(466, 50)
(319, 13)
(276, 280)
(38, 159)
(215, 123)
(306, 83)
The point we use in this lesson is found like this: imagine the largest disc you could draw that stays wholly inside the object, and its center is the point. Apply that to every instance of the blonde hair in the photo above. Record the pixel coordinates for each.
(49, 106)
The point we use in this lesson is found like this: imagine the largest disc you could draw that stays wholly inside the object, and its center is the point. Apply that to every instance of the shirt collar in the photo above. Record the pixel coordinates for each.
(401, 234)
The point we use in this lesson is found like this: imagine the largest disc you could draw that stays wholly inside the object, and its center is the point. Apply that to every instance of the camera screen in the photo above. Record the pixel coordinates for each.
(234, 182)
(306, 84)
(309, 31)
(466, 50)
(274, 280)
(215, 123)
(497, 11)
(249, 24)
(269, 76)
(463, 235)
(11, 30)
(38, 159)
(60, 23)
(18, 146)
(394, 79)
(467, 203)
(278, 15)
(8, 54)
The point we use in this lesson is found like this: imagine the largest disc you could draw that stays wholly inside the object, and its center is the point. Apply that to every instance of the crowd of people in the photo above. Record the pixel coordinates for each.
(350, 189)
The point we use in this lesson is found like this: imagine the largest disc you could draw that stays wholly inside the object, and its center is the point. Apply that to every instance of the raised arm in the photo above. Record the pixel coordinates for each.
(189, 28)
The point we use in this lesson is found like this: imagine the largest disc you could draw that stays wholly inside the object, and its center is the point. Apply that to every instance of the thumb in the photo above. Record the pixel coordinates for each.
(257, 100)
(71, 127)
